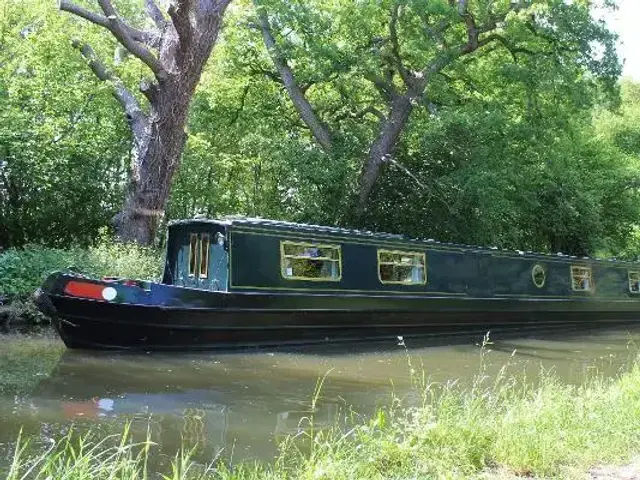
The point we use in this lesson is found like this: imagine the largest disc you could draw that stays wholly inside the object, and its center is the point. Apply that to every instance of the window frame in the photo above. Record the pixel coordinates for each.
(402, 252)
(637, 273)
(193, 258)
(544, 271)
(284, 256)
(592, 283)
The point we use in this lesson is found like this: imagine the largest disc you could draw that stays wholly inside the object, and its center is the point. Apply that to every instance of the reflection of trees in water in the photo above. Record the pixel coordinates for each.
(175, 401)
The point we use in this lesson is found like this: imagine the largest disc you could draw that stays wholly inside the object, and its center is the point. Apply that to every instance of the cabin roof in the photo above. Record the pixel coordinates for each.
(301, 227)
(310, 228)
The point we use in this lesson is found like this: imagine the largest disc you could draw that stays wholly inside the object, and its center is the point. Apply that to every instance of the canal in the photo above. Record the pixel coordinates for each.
(239, 404)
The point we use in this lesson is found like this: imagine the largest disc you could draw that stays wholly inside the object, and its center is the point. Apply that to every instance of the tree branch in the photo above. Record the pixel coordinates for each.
(297, 96)
(473, 42)
(512, 49)
(464, 79)
(179, 16)
(462, 8)
(316, 81)
(472, 28)
(385, 86)
(360, 114)
(405, 74)
(243, 99)
(138, 35)
(155, 14)
(550, 39)
(434, 32)
(208, 7)
(127, 100)
(81, 12)
(121, 31)
(258, 70)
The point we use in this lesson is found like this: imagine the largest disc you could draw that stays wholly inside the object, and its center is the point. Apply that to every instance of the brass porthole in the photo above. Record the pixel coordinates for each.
(538, 275)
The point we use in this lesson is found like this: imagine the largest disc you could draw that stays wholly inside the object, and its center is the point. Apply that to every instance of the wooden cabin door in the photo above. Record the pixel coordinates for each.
(193, 261)
(219, 267)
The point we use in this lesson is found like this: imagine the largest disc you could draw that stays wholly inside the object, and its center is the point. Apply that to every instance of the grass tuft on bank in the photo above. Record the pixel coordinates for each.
(443, 431)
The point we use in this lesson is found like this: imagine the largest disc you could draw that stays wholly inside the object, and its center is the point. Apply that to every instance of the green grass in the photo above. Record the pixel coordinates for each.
(503, 424)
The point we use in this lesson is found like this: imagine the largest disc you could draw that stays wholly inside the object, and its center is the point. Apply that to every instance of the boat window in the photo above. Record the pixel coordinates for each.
(193, 247)
(581, 279)
(310, 261)
(634, 282)
(204, 256)
(539, 275)
(406, 268)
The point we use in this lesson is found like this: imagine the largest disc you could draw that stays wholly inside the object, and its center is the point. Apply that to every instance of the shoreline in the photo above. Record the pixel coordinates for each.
(21, 313)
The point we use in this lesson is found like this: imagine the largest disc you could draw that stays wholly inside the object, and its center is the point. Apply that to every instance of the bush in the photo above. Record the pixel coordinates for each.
(23, 270)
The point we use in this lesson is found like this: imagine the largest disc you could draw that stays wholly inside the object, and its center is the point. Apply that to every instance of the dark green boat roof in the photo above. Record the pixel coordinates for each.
(280, 224)
(233, 220)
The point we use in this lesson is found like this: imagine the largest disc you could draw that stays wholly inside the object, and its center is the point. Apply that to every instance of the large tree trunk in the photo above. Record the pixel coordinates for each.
(176, 51)
(155, 161)
(382, 149)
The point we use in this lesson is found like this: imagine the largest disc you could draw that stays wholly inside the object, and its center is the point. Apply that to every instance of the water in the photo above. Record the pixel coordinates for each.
(241, 403)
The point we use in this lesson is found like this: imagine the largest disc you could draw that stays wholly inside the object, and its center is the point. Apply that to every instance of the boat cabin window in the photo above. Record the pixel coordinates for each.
(204, 256)
(193, 246)
(634, 282)
(581, 279)
(310, 261)
(406, 268)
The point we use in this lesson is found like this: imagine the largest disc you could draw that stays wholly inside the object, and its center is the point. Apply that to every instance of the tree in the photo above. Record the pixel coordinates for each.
(175, 49)
(504, 153)
(414, 53)
(518, 164)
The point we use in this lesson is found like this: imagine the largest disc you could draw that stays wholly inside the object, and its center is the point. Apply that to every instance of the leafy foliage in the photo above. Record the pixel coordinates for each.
(23, 270)
(63, 143)
(506, 154)
(525, 144)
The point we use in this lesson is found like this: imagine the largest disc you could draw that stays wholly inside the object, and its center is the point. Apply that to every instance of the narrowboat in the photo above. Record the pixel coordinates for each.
(239, 281)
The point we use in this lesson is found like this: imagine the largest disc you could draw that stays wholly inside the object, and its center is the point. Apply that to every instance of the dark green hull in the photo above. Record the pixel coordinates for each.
(241, 319)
